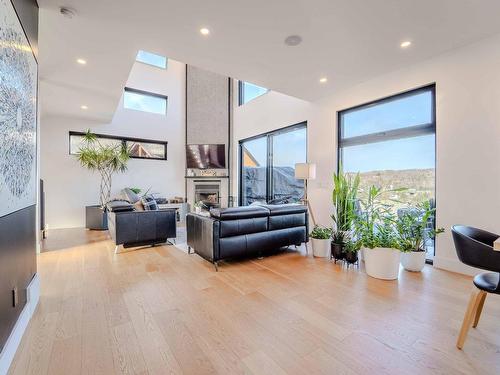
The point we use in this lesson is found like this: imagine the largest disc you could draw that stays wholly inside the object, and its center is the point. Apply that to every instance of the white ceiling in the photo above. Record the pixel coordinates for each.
(348, 41)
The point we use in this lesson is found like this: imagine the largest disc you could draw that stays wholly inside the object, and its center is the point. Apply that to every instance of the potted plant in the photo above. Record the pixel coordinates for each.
(413, 225)
(376, 230)
(339, 239)
(321, 241)
(106, 159)
(352, 248)
(344, 198)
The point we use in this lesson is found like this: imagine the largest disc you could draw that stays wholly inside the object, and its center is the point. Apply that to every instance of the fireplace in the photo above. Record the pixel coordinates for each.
(207, 193)
(211, 191)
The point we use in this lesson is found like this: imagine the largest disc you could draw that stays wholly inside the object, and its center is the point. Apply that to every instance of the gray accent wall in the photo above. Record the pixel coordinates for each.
(207, 102)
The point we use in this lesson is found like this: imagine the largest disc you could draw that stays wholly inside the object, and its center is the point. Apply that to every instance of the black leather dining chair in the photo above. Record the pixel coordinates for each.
(475, 248)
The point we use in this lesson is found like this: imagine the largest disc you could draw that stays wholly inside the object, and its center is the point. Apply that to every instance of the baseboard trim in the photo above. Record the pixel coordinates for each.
(10, 348)
(454, 265)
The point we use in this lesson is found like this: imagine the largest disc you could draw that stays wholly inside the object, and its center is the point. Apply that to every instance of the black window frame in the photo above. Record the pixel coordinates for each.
(407, 132)
(124, 141)
(147, 93)
(241, 92)
(401, 133)
(269, 162)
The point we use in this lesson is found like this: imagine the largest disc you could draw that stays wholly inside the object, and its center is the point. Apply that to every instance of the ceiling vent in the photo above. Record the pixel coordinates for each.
(67, 12)
(293, 40)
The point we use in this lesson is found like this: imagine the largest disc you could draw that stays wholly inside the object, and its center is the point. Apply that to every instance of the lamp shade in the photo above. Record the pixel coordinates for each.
(305, 171)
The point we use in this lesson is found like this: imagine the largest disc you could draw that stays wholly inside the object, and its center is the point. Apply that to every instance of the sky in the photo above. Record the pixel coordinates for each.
(409, 153)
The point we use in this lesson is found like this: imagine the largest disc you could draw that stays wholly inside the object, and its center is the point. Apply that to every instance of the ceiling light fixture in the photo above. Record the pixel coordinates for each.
(81, 61)
(84, 107)
(323, 80)
(204, 31)
(293, 40)
(405, 44)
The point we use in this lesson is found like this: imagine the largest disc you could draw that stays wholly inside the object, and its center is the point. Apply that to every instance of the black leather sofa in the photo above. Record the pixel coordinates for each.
(140, 228)
(245, 231)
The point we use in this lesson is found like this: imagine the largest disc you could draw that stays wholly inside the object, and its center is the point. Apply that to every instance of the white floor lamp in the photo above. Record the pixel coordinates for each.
(306, 171)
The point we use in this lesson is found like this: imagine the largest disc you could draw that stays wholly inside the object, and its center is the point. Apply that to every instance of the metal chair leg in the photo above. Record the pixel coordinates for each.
(216, 267)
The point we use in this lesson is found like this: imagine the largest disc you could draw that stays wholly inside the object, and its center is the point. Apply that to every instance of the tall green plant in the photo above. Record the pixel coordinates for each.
(103, 158)
(344, 197)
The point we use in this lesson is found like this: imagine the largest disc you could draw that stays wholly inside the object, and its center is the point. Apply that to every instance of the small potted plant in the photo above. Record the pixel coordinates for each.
(413, 225)
(376, 229)
(351, 251)
(321, 241)
(338, 242)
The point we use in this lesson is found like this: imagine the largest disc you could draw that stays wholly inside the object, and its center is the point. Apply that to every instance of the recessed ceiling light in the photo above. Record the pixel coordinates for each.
(293, 40)
(84, 107)
(204, 31)
(405, 44)
(81, 61)
(323, 80)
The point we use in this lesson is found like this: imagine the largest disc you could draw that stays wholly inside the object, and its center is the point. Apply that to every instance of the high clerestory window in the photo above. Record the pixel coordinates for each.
(144, 101)
(152, 59)
(248, 91)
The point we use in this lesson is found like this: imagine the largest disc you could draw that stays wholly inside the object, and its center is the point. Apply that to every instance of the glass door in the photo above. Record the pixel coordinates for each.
(288, 148)
(253, 171)
(267, 166)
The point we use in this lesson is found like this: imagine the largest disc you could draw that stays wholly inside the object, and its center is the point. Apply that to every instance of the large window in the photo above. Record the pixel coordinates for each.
(138, 148)
(144, 101)
(248, 91)
(391, 143)
(267, 166)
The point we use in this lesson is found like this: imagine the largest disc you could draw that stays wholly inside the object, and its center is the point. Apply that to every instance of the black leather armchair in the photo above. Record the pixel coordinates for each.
(141, 228)
(245, 231)
(475, 248)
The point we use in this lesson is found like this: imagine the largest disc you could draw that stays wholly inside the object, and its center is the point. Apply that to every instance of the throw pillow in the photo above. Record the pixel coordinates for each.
(149, 203)
(130, 195)
(138, 206)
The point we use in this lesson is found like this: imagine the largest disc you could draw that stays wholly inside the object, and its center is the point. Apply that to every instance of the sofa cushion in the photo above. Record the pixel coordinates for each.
(242, 226)
(119, 206)
(285, 209)
(234, 213)
(287, 221)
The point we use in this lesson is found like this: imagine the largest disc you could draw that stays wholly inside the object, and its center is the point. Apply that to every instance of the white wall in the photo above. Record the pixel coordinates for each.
(468, 135)
(69, 187)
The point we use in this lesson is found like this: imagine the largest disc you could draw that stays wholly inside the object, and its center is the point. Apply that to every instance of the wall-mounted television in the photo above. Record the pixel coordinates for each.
(206, 156)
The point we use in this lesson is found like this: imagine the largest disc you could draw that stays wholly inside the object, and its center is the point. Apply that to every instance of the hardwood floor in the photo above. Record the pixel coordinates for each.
(162, 311)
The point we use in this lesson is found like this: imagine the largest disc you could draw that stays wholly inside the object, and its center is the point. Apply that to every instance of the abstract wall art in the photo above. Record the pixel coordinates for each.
(18, 114)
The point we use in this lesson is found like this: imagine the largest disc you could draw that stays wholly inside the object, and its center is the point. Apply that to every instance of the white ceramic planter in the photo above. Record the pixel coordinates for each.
(382, 263)
(321, 248)
(413, 261)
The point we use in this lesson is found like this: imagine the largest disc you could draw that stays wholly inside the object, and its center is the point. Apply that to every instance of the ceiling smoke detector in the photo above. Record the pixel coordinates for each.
(67, 12)
(293, 40)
